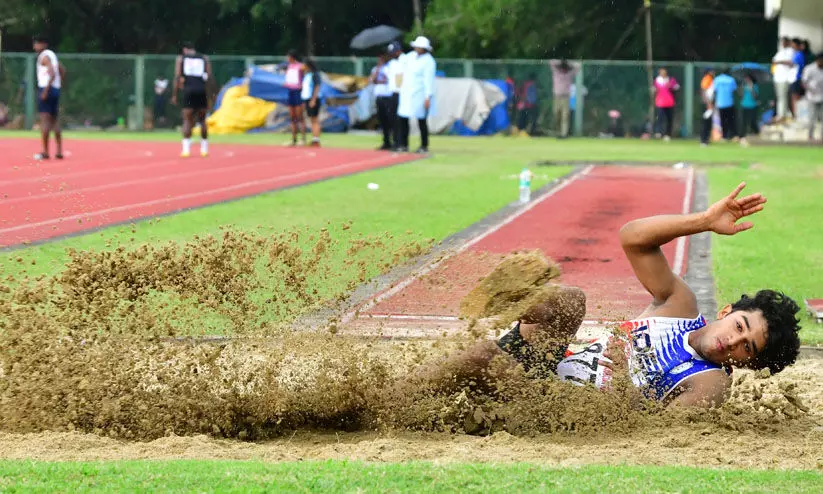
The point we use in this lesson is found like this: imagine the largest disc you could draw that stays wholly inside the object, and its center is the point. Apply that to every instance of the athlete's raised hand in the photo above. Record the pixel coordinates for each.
(723, 216)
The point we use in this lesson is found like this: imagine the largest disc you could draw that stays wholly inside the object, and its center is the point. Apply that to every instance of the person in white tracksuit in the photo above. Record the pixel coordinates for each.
(416, 92)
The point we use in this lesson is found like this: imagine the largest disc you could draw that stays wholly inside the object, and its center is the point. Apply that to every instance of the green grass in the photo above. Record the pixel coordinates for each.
(468, 178)
(349, 476)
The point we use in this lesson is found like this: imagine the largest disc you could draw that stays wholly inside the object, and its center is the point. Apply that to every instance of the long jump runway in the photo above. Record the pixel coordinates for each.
(576, 224)
(102, 183)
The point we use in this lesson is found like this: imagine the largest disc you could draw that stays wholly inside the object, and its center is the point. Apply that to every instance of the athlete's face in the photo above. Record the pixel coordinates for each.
(735, 338)
(38, 46)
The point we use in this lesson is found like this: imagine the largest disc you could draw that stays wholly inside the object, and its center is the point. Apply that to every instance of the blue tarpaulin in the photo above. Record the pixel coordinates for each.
(498, 119)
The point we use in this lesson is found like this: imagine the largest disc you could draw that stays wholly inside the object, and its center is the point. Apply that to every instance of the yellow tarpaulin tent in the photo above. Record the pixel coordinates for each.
(239, 112)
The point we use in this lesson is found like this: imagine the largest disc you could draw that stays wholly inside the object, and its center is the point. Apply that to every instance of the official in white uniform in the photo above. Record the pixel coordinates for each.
(417, 91)
(50, 74)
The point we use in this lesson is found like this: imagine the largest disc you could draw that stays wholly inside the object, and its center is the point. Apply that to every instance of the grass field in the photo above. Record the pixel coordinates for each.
(343, 476)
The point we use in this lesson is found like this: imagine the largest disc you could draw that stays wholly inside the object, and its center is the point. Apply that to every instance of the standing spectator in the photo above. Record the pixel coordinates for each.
(782, 73)
(161, 86)
(813, 83)
(192, 73)
(749, 104)
(527, 110)
(798, 64)
(563, 75)
(383, 96)
(664, 88)
(50, 76)
(707, 95)
(310, 94)
(417, 91)
(724, 87)
(808, 56)
(394, 72)
(294, 84)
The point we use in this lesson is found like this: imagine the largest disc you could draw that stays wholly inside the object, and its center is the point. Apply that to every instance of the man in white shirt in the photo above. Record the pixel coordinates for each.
(417, 91)
(782, 67)
(50, 75)
(379, 78)
(813, 84)
(394, 72)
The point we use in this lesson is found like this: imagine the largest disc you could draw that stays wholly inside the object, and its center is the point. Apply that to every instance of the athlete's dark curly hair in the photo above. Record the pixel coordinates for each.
(782, 325)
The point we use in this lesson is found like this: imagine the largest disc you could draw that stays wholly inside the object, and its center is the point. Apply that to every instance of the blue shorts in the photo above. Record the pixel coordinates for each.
(49, 105)
(295, 99)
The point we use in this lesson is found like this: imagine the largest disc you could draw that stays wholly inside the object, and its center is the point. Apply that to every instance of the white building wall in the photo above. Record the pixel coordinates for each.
(798, 19)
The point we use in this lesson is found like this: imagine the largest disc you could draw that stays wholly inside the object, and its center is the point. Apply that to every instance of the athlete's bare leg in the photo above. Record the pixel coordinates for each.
(293, 116)
(315, 128)
(204, 132)
(45, 128)
(301, 122)
(548, 325)
(58, 137)
(188, 122)
(188, 125)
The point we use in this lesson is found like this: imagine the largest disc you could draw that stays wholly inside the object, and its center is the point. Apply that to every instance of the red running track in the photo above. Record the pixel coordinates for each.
(576, 226)
(101, 183)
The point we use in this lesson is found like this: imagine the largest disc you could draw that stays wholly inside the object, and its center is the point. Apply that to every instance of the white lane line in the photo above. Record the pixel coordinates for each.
(680, 247)
(427, 269)
(193, 195)
(274, 159)
(140, 181)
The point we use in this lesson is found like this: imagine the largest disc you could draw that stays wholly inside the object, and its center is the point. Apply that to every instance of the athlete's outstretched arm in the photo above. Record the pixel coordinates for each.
(642, 239)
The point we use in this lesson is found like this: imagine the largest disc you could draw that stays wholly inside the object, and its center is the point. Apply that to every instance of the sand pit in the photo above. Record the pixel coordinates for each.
(92, 367)
(783, 444)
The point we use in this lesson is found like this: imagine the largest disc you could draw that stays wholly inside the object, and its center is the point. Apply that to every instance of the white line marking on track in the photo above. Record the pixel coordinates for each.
(204, 193)
(140, 181)
(427, 269)
(680, 247)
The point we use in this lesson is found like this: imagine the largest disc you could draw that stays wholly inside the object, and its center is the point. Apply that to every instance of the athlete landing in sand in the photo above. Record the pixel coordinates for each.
(192, 75)
(670, 351)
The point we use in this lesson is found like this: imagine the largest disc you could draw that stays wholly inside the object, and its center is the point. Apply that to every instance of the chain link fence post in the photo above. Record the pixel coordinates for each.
(580, 96)
(29, 94)
(688, 100)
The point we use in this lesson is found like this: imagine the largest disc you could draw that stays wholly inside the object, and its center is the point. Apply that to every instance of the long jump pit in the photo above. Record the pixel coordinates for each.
(351, 393)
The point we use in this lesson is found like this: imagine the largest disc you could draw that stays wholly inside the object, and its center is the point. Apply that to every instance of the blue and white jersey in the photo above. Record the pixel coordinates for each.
(658, 352)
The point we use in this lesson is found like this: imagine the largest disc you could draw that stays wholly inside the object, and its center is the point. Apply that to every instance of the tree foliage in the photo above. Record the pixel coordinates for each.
(593, 29)
(459, 28)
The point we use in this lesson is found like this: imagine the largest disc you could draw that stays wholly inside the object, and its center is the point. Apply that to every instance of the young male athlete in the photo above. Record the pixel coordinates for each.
(50, 77)
(192, 75)
(670, 351)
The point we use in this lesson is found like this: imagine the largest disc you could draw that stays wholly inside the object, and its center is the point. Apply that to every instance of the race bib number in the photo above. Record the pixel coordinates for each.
(194, 67)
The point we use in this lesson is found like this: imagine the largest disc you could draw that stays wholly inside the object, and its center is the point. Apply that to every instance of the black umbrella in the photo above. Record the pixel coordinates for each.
(380, 35)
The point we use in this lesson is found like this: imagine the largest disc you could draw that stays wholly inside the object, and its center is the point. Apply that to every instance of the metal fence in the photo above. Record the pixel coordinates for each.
(102, 89)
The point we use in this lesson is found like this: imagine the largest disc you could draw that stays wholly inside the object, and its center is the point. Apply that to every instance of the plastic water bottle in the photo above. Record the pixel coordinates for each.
(525, 186)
